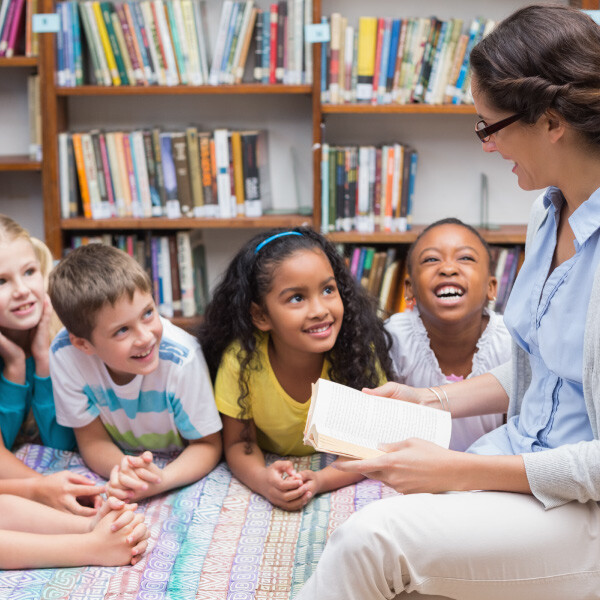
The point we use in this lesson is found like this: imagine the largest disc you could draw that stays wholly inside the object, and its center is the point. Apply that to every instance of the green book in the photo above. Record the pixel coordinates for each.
(107, 10)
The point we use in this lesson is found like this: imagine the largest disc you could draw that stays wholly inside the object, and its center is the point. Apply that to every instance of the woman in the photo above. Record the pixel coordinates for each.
(536, 87)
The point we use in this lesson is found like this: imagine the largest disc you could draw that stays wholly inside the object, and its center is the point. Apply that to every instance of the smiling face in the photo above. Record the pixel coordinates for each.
(449, 277)
(126, 337)
(520, 143)
(302, 310)
(22, 289)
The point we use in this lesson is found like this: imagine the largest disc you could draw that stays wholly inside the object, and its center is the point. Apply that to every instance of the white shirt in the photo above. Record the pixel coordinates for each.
(416, 365)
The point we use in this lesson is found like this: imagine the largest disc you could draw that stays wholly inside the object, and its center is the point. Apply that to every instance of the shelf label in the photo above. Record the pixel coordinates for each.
(317, 32)
(45, 23)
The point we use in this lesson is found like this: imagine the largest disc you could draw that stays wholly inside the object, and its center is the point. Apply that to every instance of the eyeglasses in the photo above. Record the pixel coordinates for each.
(484, 131)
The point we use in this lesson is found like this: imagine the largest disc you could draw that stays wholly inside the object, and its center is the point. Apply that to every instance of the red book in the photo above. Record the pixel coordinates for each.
(273, 44)
(380, 32)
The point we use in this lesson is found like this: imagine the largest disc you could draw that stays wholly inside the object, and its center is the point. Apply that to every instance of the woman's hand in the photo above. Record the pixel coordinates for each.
(40, 341)
(412, 466)
(399, 391)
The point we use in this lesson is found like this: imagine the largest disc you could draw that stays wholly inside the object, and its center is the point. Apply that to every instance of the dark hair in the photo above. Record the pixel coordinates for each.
(89, 278)
(448, 221)
(543, 57)
(361, 346)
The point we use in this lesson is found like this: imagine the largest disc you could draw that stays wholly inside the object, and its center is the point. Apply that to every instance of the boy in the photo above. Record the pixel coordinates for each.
(127, 380)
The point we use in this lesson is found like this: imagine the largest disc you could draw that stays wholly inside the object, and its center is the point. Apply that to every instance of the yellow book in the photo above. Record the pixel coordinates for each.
(238, 172)
(108, 52)
(365, 69)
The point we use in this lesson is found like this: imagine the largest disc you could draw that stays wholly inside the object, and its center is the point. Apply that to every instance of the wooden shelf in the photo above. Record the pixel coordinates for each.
(265, 222)
(505, 234)
(361, 109)
(183, 90)
(19, 61)
(190, 324)
(19, 162)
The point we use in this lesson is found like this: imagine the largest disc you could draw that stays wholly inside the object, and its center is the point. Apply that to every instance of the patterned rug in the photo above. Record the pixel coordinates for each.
(213, 540)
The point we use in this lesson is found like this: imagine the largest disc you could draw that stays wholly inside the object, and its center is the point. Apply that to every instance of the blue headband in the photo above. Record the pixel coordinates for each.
(274, 237)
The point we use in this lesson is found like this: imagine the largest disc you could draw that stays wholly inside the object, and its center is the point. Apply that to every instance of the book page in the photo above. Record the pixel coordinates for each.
(352, 416)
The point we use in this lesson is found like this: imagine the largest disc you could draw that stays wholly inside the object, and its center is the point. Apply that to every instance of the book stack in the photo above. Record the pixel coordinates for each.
(282, 54)
(506, 263)
(175, 263)
(381, 273)
(16, 34)
(367, 188)
(399, 61)
(131, 43)
(154, 173)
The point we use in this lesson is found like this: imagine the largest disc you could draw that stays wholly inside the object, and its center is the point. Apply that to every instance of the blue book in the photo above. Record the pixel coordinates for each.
(266, 45)
(414, 157)
(383, 62)
(361, 264)
(60, 48)
(393, 55)
(77, 55)
(154, 248)
(476, 26)
(228, 41)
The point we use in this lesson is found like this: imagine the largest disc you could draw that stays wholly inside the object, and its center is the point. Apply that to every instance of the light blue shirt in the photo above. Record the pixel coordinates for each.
(546, 316)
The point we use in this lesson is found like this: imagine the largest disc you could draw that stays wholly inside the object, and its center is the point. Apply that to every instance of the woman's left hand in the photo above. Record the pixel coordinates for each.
(412, 466)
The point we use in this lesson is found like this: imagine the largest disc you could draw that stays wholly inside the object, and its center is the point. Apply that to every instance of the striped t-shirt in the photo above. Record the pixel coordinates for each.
(152, 412)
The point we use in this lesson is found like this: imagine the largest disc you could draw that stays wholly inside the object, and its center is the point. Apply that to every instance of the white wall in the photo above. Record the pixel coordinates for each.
(450, 157)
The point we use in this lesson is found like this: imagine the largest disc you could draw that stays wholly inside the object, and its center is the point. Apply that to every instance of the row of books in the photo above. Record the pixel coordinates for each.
(16, 34)
(154, 173)
(506, 263)
(367, 188)
(175, 263)
(281, 52)
(165, 42)
(399, 61)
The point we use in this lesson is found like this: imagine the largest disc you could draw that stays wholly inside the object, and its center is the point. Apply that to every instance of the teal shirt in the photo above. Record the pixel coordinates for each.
(17, 400)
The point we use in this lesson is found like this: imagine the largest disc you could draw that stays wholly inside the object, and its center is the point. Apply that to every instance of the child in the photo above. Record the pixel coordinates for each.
(286, 313)
(127, 380)
(450, 335)
(25, 386)
(36, 536)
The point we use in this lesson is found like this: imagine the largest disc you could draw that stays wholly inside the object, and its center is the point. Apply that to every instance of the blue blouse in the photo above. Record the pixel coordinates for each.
(546, 317)
(17, 400)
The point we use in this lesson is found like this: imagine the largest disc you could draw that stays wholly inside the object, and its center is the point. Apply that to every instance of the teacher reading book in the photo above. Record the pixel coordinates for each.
(533, 533)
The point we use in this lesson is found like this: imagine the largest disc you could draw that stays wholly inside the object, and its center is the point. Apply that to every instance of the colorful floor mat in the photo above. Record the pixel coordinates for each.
(214, 540)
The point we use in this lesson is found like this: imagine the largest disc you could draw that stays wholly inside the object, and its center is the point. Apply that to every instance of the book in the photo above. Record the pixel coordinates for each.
(367, 40)
(350, 423)
(180, 158)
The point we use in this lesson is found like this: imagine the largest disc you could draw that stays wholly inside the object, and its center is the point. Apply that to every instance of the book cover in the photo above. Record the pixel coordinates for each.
(367, 41)
(344, 421)
(182, 173)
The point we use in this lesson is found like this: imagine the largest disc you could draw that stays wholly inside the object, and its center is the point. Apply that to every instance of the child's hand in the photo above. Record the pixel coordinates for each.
(135, 478)
(111, 503)
(40, 341)
(14, 360)
(312, 483)
(69, 492)
(283, 486)
(119, 537)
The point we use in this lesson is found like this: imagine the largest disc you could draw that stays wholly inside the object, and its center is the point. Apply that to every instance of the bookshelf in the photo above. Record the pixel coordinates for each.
(302, 124)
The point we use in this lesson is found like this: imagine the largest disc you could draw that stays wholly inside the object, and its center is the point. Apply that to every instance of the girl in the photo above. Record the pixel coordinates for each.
(25, 321)
(286, 313)
(536, 88)
(450, 335)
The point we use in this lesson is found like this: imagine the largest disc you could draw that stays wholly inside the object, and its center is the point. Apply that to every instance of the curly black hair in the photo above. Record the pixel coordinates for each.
(360, 350)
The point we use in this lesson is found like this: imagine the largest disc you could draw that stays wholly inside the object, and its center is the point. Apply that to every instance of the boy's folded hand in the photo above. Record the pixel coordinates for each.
(135, 478)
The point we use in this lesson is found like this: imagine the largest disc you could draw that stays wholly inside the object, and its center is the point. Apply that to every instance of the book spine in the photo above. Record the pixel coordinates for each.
(392, 59)
(245, 45)
(110, 195)
(258, 47)
(215, 67)
(158, 8)
(165, 306)
(325, 188)
(266, 46)
(175, 283)
(16, 27)
(223, 175)
(200, 21)
(137, 76)
(141, 172)
(194, 171)
(180, 160)
(238, 173)
(383, 69)
(273, 42)
(210, 203)
(63, 175)
(186, 273)
(113, 161)
(138, 49)
(367, 41)
(104, 207)
(153, 42)
(282, 15)
(141, 30)
(121, 43)
(173, 209)
(152, 174)
(179, 41)
(129, 154)
(188, 25)
(126, 209)
(106, 45)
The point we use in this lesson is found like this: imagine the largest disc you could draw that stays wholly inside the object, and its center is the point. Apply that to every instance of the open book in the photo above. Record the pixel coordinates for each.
(347, 422)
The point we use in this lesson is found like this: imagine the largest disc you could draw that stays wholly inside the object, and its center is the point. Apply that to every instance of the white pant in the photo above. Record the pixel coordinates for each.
(465, 545)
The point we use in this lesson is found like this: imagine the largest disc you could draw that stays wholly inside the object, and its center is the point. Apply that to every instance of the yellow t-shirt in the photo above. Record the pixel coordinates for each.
(279, 419)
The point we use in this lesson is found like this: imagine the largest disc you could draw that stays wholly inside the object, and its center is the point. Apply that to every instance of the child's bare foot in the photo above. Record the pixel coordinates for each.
(119, 535)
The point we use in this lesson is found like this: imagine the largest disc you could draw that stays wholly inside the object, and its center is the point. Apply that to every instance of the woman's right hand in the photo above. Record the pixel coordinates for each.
(14, 360)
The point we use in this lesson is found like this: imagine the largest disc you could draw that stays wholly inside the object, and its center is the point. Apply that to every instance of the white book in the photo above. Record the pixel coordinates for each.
(151, 26)
(164, 275)
(233, 75)
(195, 71)
(203, 42)
(362, 223)
(308, 55)
(165, 38)
(186, 273)
(184, 42)
(288, 46)
(63, 174)
(115, 173)
(215, 68)
(344, 421)
(141, 171)
(398, 150)
(223, 176)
